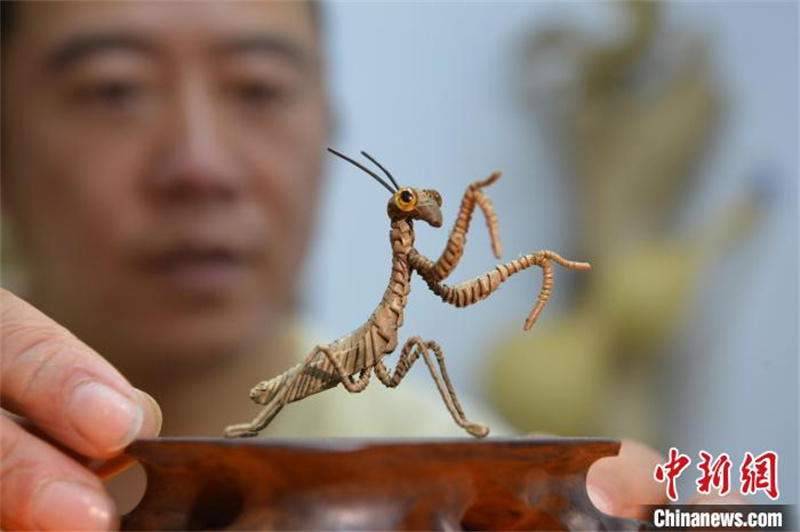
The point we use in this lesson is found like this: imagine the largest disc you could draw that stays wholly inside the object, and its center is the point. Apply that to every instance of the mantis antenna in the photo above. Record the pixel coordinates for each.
(367, 170)
(379, 165)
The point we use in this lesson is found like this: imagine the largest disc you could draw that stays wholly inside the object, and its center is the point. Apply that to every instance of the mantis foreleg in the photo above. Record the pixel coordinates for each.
(447, 262)
(474, 290)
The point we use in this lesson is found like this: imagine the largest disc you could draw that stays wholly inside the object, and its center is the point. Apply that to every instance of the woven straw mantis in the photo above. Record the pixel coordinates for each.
(350, 360)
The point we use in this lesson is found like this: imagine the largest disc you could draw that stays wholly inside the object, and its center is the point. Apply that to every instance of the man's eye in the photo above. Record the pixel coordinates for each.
(112, 93)
(259, 93)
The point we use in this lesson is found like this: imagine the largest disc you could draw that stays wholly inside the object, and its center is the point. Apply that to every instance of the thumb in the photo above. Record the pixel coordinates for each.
(620, 485)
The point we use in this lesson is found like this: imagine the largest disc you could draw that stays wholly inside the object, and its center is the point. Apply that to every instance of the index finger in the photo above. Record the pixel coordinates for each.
(65, 388)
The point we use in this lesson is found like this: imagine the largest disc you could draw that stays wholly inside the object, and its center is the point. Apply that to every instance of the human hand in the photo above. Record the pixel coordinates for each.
(622, 485)
(66, 412)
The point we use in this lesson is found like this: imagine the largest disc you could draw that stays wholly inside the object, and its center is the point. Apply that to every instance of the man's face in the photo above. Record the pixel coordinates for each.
(161, 163)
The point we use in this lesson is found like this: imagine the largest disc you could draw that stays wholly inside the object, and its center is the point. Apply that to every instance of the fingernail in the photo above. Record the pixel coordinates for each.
(64, 505)
(105, 417)
(152, 424)
(600, 499)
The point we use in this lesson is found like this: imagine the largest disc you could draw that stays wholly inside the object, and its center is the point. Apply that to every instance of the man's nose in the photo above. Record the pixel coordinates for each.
(196, 160)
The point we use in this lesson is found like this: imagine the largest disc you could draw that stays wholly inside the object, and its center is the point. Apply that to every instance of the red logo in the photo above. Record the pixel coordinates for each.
(759, 473)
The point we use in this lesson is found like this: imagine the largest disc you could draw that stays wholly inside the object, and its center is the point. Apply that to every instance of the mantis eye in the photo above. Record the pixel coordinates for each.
(406, 200)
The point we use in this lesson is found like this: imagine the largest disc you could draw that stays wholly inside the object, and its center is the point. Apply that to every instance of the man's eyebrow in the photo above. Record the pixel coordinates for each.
(267, 44)
(79, 47)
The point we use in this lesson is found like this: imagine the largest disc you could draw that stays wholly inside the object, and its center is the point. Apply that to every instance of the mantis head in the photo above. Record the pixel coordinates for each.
(406, 202)
(416, 204)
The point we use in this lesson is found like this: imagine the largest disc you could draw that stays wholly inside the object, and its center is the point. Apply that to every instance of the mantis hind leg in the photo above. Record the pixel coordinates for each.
(412, 350)
(352, 385)
(267, 414)
(293, 388)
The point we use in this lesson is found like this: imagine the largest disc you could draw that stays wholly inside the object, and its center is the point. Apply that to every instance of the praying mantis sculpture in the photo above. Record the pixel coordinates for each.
(351, 359)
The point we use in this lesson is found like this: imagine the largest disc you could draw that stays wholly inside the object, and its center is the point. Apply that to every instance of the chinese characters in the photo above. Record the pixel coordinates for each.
(757, 473)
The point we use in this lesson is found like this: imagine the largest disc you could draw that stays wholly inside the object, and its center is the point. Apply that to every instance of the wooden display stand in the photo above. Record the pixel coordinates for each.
(494, 484)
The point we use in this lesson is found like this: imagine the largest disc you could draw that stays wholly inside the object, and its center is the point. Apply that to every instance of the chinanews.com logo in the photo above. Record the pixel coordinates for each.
(754, 474)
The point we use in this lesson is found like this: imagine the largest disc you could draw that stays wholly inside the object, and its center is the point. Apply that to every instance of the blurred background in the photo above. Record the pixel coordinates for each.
(657, 140)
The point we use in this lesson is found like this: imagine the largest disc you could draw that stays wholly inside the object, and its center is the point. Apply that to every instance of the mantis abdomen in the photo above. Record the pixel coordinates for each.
(357, 351)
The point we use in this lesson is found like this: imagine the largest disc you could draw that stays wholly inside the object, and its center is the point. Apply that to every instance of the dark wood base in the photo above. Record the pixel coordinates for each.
(492, 484)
